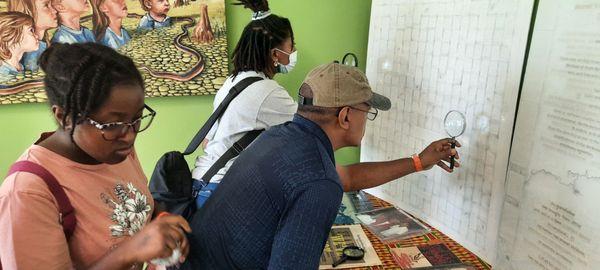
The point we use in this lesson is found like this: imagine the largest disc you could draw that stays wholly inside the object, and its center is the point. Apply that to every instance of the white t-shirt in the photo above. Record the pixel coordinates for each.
(261, 105)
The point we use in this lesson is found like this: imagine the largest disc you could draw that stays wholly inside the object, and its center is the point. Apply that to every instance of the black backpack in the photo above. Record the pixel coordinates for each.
(172, 185)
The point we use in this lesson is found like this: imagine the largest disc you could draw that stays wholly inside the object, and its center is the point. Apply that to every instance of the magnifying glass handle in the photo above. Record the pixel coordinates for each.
(340, 261)
(452, 145)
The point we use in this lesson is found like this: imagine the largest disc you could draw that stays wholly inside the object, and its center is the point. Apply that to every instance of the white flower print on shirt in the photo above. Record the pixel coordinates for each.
(130, 210)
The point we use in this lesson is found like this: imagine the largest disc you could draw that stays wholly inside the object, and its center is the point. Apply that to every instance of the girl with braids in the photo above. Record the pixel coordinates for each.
(97, 98)
(108, 19)
(265, 48)
(44, 17)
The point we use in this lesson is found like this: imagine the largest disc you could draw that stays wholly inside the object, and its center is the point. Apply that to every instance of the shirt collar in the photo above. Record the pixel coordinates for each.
(317, 131)
(249, 73)
(10, 68)
(115, 34)
(155, 20)
(72, 31)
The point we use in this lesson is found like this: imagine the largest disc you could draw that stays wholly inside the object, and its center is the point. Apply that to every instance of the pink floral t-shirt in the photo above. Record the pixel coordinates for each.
(112, 202)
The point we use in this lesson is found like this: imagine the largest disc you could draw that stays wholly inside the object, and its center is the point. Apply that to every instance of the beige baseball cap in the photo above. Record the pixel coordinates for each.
(337, 85)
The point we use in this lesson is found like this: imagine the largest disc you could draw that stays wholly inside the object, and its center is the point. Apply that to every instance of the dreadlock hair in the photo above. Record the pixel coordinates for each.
(253, 50)
(79, 77)
(318, 114)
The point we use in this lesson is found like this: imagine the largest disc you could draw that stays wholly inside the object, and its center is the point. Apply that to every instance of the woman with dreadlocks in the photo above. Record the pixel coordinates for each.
(77, 198)
(265, 49)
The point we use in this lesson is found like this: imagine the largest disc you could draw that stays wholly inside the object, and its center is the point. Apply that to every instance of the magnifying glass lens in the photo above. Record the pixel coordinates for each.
(455, 124)
(350, 253)
(354, 252)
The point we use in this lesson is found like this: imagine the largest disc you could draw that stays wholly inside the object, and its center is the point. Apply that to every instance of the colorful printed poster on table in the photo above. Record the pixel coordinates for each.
(433, 256)
(344, 236)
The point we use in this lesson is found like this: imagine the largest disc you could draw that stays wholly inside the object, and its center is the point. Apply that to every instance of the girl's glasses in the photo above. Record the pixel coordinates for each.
(112, 131)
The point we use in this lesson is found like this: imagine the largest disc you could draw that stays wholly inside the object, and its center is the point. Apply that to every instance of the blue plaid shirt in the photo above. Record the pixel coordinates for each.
(67, 35)
(111, 39)
(149, 23)
(274, 207)
(30, 59)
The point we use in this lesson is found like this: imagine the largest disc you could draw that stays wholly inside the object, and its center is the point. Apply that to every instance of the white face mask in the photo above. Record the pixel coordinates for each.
(283, 69)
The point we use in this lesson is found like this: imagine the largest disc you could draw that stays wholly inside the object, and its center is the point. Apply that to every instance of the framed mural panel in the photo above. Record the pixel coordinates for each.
(180, 46)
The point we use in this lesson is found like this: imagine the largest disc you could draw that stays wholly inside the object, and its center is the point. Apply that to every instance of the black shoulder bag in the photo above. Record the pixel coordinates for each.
(171, 183)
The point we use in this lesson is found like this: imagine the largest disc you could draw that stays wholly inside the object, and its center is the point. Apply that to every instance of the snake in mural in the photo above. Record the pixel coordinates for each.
(177, 42)
(21, 86)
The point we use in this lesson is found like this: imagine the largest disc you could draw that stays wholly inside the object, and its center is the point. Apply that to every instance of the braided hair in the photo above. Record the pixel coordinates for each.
(79, 77)
(253, 50)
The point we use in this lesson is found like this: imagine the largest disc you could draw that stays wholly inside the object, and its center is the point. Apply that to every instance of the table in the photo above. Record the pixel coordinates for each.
(436, 236)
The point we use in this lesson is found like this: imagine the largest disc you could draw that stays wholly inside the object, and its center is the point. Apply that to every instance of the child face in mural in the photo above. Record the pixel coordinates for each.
(114, 8)
(75, 7)
(17, 37)
(158, 8)
(29, 41)
(45, 15)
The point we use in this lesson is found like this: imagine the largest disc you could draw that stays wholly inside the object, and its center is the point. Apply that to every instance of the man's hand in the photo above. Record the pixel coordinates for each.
(438, 152)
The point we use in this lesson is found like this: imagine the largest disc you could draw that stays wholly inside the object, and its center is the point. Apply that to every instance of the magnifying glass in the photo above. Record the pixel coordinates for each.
(352, 253)
(455, 124)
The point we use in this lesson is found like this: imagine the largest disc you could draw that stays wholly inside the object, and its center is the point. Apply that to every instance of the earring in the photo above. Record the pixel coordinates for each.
(275, 63)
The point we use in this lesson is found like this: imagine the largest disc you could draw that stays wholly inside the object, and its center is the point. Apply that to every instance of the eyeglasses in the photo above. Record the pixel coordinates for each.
(112, 131)
(286, 53)
(371, 113)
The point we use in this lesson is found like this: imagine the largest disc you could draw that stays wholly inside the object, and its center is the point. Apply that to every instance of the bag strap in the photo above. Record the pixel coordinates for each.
(66, 213)
(232, 152)
(233, 92)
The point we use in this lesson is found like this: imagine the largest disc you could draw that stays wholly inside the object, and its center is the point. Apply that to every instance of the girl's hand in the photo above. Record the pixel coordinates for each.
(159, 238)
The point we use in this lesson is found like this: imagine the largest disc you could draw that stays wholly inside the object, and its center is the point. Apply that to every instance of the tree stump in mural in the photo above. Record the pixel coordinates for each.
(203, 32)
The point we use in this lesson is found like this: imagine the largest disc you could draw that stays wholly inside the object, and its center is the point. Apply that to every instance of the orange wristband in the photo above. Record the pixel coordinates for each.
(417, 162)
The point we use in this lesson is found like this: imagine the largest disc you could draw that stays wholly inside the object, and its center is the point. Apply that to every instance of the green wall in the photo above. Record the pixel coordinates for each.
(324, 31)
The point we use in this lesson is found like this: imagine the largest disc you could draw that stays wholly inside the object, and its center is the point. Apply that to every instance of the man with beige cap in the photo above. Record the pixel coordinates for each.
(276, 204)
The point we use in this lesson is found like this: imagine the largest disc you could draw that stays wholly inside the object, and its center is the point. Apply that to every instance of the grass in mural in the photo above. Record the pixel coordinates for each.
(162, 56)
(155, 52)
